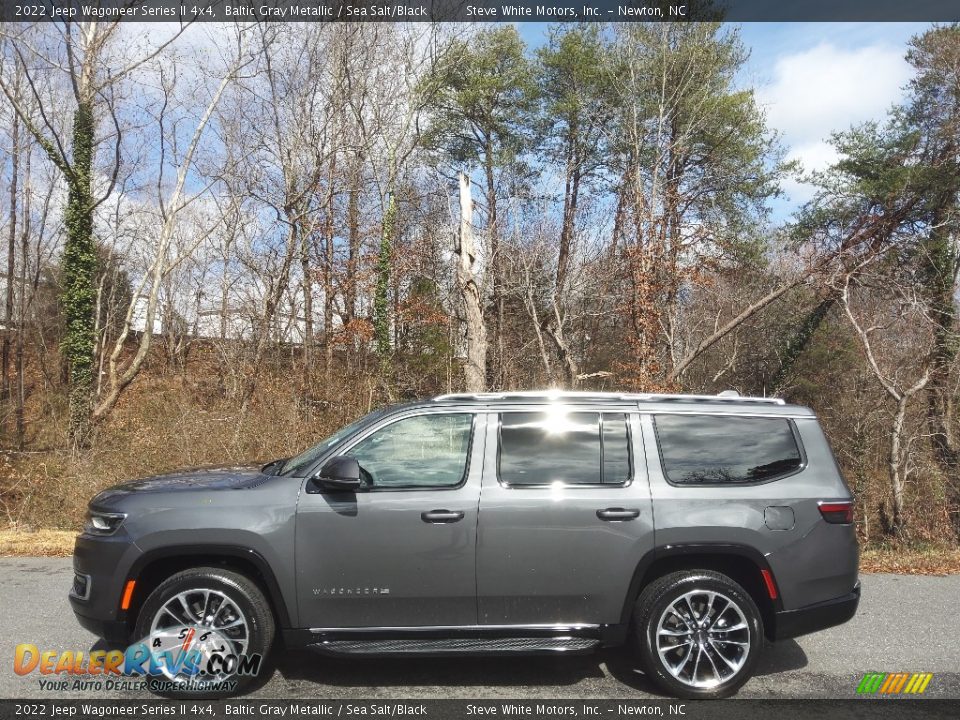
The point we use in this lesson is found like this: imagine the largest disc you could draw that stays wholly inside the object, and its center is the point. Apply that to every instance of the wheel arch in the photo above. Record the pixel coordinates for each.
(155, 566)
(742, 563)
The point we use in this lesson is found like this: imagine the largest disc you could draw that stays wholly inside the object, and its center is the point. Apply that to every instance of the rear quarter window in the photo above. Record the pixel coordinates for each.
(721, 450)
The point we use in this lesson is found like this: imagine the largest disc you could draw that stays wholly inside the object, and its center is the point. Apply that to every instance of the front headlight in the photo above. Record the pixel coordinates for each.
(103, 523)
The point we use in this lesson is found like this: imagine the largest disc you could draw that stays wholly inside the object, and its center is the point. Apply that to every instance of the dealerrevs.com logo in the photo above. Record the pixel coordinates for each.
(894, 683)
(173, 659)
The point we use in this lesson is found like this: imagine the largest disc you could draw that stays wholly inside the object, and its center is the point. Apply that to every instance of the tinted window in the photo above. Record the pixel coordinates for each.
(616, 448)
(710, 449)
(419, 451)
(540, 448)
(296, 466)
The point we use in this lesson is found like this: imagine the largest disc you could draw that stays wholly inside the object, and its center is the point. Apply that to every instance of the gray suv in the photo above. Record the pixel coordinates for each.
(687, 527)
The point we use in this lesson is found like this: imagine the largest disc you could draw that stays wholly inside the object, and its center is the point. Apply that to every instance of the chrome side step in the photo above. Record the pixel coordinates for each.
(457, 646)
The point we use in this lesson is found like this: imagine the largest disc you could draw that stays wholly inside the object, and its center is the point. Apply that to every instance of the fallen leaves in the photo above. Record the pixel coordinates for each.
(907, 561)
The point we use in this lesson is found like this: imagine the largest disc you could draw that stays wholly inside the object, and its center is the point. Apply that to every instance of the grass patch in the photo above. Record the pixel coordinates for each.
(46, 543)
(911, 561)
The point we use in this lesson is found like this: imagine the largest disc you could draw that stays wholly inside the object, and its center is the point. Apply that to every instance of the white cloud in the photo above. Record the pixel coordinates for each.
(823, 89)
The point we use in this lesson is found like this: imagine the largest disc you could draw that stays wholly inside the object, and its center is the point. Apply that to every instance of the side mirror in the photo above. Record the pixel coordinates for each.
(340, 473)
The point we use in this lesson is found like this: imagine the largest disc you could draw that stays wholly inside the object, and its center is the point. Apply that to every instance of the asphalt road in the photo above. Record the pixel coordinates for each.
(905, 624)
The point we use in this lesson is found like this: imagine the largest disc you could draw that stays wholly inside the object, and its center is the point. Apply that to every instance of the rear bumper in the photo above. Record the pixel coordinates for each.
(819, 616)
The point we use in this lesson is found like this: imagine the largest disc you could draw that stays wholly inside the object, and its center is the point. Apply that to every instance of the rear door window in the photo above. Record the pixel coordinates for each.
(710, 449)
(556, 446)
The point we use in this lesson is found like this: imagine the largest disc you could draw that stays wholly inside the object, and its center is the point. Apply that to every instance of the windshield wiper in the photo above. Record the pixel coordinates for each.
(273, 465)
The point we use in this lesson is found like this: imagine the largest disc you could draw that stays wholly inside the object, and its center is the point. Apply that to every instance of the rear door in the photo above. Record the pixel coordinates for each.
(565, 515)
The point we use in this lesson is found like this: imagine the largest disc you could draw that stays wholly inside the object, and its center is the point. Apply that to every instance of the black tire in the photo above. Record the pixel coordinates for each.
(692, 682)
(241, 591)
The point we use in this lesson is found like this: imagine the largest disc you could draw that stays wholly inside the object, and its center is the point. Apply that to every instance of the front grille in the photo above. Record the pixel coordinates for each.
(81, 586)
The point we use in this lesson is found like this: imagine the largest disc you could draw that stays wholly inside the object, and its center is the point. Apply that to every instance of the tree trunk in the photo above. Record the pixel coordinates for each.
(79, 276)
(571, 198)
(800, 339)
(896, 468)
(555, 324)
(11, 257)
(495, 368)
(353, 238)
(22, 307)
(941, 282)
(328, 272)
(381, 299)
(307, 280)
(475, 370)
(571, 368)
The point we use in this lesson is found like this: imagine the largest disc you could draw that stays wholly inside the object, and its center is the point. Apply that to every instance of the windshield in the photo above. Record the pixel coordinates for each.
(297, 466)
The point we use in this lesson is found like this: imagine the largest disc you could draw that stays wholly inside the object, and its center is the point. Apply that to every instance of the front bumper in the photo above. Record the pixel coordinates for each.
(105, 562)
(819, 616)
(113, 631)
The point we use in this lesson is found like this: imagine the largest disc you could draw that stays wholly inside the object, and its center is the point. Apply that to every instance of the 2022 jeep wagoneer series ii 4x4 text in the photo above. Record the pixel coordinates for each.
(687, 527)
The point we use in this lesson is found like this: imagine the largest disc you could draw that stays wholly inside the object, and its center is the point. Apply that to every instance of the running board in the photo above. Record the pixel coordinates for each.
(458, 646)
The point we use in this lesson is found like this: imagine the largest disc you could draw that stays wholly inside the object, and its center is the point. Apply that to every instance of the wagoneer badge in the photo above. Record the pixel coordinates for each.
(329, 592)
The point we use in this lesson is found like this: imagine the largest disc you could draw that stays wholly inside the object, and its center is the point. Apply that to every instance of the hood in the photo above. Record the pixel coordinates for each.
(203, 478)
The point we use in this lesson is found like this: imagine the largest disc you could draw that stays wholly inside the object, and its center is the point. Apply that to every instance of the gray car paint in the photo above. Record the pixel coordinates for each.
(812, 562)
(520, 556)
(543, 555)
(184, 511)
(351, 547)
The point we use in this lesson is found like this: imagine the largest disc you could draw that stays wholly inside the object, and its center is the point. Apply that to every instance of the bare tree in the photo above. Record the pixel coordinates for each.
(907, 316)
(121, 372)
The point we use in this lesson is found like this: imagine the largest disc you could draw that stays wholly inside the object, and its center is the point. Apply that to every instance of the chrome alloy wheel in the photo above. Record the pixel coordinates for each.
(703, 639)
(201, 619)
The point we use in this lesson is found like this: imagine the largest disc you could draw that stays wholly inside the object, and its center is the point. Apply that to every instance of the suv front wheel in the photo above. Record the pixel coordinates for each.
(209, 631)
(699, 634)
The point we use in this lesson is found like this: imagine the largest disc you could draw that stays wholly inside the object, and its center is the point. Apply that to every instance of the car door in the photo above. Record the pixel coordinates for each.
(400, 552)
(565, 516)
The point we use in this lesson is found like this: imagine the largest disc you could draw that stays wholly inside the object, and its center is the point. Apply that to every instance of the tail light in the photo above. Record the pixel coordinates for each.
(837, 513)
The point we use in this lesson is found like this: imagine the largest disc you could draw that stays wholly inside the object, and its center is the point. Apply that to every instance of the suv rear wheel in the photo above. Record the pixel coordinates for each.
(219, 616)
(699, 634)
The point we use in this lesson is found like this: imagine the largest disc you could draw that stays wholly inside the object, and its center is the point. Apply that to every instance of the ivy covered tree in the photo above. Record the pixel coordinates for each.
(83, 52)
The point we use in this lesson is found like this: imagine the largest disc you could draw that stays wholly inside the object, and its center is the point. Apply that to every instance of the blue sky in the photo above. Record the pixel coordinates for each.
(813, 79)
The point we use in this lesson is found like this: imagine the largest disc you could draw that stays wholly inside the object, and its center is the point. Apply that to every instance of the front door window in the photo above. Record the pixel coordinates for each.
(419, 452)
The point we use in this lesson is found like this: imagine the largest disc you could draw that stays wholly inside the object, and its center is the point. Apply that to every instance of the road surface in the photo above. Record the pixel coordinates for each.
(905, 624)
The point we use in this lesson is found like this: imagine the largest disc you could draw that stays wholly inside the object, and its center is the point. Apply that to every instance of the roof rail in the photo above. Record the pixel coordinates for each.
(711, 398)
(726, 396)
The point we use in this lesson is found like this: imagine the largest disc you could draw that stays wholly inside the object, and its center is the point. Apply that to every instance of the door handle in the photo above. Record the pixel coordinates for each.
(618, 514)
(441, 516)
